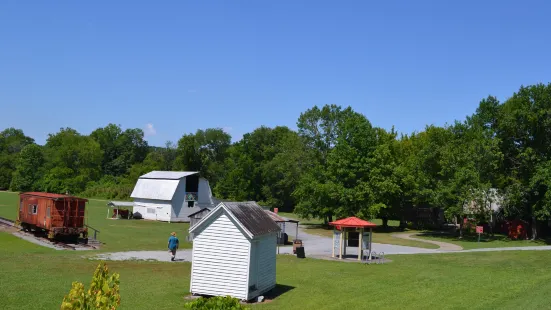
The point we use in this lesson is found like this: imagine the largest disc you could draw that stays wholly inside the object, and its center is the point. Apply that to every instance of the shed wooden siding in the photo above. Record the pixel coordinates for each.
(220, 264)
(263, 265)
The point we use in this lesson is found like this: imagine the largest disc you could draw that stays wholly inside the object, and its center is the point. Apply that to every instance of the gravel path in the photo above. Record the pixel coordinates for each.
(444, 246)
(161, 256)
(320, 246)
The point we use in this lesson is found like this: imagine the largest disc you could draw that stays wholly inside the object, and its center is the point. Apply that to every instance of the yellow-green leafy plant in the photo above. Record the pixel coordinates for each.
(103, 293)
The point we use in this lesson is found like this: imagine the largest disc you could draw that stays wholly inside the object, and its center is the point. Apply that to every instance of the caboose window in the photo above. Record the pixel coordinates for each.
(48, 212)
(21, 205)
(33, 209)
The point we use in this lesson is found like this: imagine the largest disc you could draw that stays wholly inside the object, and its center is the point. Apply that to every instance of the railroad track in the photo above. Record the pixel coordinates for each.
(9, 223)
(6, 222)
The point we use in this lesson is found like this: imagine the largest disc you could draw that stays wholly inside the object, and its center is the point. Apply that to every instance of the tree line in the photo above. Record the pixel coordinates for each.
(336, 164)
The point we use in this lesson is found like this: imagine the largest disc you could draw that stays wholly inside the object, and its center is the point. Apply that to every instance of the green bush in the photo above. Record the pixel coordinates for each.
(109, 187)
(215, 303)
(103, 293)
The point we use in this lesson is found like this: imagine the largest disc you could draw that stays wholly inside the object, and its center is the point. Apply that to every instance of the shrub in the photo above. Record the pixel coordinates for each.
(215, 303)
(103, 293)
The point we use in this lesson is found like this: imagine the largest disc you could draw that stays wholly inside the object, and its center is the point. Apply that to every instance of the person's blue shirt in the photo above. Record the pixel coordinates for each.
(172, 242)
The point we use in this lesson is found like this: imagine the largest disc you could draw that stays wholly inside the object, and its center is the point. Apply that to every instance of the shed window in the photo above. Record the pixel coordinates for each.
(151, 210)
(190, 204)
(33, 209)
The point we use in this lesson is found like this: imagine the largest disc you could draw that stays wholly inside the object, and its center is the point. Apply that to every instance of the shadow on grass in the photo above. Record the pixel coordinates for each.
(474, 237)
(278, 290)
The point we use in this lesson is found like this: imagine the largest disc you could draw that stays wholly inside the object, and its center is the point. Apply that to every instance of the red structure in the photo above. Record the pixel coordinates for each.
(352, 225)
(59, 215)
(515, 229)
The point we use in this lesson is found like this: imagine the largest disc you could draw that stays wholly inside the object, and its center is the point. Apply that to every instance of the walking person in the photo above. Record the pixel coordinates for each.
(173, 244)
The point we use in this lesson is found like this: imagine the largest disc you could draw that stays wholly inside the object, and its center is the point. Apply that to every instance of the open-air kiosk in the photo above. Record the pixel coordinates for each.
(352, 232)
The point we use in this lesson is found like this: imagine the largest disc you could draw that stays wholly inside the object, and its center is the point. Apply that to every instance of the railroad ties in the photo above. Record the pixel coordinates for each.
(43, 240)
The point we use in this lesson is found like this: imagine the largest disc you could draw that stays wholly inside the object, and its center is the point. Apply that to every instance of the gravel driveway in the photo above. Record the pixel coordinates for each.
(315, 247)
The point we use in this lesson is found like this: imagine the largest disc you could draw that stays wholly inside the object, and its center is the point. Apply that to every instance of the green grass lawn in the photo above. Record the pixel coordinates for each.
(117, 235)
(33, 277)
(486, 241)
(316, 227)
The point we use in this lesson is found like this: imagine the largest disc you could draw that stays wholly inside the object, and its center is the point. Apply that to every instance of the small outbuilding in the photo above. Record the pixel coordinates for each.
(121, 209)
(234, 252)
(344, 229)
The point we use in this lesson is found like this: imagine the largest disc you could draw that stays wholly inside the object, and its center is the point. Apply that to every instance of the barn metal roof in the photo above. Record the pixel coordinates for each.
(249, 215)
(167, 175)
(157, 189)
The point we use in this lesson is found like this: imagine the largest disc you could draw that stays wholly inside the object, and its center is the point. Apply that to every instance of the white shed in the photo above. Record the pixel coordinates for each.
(171, 195)
(234, 252)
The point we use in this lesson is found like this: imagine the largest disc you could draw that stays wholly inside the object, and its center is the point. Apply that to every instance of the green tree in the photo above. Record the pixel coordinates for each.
(28, 169)
(340, 143)
(121, 149)
(204, 151)
(524, 128)
(263, 166)
(469, 163)
(12, 141)
(72, 161)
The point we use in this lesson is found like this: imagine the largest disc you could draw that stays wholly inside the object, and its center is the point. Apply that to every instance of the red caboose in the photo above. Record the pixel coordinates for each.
(58, 215)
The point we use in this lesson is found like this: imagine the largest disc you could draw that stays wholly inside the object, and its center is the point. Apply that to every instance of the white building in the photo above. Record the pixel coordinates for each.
(234, 252)
(171, 195)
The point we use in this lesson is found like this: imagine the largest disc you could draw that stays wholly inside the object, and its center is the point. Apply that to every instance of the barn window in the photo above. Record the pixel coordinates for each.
(151, 210)
(190, 204)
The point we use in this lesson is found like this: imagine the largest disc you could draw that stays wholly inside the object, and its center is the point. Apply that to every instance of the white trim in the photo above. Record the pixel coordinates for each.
(249, 269)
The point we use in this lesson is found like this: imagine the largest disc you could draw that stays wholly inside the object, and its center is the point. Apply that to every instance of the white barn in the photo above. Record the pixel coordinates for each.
(234, 252)
(171, 195)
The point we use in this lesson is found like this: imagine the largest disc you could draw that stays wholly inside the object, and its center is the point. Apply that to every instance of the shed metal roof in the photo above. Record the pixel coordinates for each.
(277, 218)
(252, 218)
(155, 189)
(120, 204)
(167, 175)
(202, 210)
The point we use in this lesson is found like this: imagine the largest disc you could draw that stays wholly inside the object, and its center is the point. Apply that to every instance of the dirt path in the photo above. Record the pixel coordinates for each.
(445, 246)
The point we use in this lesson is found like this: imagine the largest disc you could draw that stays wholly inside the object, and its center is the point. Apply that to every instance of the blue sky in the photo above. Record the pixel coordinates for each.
(172, 67)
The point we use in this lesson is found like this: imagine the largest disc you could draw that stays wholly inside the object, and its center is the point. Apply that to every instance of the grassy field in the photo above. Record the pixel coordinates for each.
(486, 241)
(117, 235)
(33, 277)
(316, 227)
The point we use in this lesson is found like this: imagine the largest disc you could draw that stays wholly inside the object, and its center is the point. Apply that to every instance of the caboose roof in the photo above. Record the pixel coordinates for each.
(50, 195)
